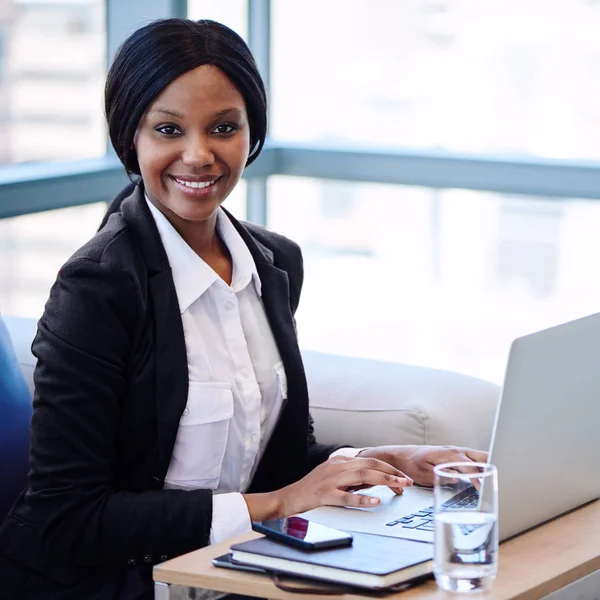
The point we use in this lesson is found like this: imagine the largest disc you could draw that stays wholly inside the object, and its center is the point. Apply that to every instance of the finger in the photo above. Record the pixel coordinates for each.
(375, 464)
(340, 498)
(477, 455)
(340, 459)
(468, 470)
(366, 476)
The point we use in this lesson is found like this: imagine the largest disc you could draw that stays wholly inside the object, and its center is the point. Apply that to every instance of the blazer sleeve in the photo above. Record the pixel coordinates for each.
(83, 347)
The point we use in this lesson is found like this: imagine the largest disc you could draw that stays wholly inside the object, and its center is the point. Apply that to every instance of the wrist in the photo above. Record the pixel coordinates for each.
(264, 506)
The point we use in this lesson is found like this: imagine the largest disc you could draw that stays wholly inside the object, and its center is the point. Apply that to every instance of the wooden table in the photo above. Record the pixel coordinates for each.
(531, 566)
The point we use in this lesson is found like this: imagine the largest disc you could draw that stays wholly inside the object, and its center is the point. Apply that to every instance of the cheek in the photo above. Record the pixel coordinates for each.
(150, 152)
(152, 163)
(239, 155)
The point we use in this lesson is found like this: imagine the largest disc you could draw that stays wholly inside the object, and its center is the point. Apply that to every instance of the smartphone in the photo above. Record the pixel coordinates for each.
(225, 562)
(303, 533)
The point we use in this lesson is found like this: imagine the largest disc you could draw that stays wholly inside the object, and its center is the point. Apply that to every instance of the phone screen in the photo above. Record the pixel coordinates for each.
(305, 531)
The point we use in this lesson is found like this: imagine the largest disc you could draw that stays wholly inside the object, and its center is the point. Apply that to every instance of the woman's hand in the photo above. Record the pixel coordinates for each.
(418, 461)
(331, 483)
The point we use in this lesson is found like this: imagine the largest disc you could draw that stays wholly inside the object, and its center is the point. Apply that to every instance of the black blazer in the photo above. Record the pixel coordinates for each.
(111, 384)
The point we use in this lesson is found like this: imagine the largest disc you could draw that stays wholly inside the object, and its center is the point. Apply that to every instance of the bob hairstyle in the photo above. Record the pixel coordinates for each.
(157, 54)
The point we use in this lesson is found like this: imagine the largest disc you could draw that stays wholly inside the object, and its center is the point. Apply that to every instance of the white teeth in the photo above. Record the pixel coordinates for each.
(195, 184)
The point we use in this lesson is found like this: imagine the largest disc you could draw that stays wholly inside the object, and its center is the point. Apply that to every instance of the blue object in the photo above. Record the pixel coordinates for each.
(15, 416)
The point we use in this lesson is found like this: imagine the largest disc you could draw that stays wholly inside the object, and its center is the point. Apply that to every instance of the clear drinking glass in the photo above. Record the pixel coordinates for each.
(466, 526)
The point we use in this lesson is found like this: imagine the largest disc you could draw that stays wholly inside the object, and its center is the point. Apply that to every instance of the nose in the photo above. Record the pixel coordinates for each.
(198, 151)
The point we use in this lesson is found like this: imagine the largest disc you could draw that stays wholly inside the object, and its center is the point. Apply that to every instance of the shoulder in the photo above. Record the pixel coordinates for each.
(112, 250)
(286, 256)
(101, 282)
(285, 251)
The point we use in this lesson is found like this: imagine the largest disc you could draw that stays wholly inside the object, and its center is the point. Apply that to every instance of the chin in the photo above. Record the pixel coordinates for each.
(197, 212)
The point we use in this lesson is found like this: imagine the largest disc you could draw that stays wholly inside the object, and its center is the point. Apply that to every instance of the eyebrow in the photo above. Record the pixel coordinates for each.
(166, 111)
(178, 115)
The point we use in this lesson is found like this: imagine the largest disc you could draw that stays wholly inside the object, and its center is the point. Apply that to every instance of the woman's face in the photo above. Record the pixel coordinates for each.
(192, 144)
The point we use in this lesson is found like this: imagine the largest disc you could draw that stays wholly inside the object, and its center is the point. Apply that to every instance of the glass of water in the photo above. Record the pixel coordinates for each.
(466, 526)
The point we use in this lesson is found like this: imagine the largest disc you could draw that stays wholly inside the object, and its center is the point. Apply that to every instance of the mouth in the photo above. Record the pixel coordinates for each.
(195, 185)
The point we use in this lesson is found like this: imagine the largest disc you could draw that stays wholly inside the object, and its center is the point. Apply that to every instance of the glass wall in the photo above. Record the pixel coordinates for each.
(52, 70)
(52, 66)
(441, 278)
(518, 77)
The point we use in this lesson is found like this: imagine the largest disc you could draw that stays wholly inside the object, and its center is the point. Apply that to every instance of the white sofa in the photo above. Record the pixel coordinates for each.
(367, 402)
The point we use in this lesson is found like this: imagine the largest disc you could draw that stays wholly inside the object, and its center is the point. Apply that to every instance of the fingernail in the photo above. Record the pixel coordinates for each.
(373, 500)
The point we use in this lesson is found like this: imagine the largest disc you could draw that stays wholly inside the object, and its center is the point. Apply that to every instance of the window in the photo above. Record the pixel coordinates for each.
(442, 278)
(52, 68)
(518, 77)
(232, 13)
(32, 250)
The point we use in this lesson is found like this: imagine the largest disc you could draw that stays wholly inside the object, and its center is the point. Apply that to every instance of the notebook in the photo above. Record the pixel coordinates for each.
(373, 561)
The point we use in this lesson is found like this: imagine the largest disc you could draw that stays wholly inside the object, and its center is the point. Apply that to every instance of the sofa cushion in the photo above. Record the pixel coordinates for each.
(15, 415)
(370, 402)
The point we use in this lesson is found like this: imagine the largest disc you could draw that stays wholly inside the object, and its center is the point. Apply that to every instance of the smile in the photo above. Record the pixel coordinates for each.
(195, 185)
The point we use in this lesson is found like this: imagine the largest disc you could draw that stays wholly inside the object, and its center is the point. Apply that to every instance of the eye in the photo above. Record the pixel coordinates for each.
(225, 128)
(168, 129)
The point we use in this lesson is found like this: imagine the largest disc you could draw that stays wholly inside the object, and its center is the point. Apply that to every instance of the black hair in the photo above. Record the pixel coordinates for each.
(155, 55)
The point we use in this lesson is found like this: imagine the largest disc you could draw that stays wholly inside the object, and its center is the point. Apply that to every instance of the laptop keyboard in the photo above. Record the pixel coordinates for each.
(423, 519)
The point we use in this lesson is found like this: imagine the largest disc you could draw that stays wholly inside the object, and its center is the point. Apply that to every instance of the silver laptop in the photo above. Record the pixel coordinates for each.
(545, 441)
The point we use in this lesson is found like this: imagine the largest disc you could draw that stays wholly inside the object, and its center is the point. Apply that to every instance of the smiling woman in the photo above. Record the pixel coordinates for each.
(171, 405)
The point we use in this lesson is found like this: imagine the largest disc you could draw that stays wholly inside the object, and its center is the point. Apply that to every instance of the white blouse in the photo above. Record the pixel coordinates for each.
(237, 383)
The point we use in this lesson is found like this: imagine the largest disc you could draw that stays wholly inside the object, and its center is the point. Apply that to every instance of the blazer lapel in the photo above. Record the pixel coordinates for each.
(276, 299)
(171, 370)
(171, 366)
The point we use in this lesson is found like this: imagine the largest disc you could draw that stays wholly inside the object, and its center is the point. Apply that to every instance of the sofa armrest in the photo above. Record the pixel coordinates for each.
(368, 402)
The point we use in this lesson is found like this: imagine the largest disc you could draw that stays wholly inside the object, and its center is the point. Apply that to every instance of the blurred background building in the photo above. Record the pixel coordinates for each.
(440, 276)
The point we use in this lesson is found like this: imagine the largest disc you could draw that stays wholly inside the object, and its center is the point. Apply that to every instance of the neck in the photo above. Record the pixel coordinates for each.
(201, 237)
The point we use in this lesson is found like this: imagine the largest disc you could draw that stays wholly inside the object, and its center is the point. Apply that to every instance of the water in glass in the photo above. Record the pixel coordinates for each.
(466, 548)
